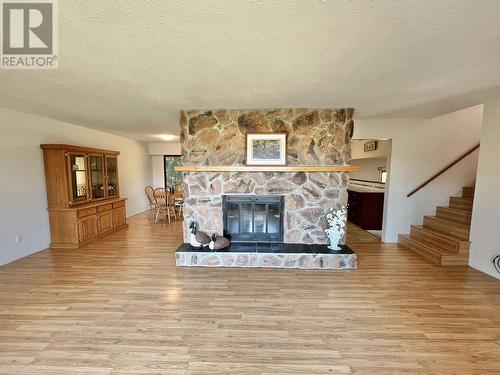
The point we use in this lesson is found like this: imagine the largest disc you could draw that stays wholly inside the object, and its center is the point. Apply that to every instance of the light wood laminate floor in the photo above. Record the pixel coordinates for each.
(120, 306)
(356, 234)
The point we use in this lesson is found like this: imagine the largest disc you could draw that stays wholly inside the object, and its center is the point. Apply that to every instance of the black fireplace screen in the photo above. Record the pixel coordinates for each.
(253, 218)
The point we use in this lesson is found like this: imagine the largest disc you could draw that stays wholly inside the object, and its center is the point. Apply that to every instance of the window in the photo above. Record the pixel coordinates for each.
(382, 174)
(173, 179)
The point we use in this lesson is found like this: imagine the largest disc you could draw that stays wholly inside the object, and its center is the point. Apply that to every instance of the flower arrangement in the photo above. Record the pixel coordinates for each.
(337, 221)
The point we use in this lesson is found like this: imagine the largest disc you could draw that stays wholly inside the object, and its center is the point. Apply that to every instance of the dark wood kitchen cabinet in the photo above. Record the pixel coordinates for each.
(366, 209)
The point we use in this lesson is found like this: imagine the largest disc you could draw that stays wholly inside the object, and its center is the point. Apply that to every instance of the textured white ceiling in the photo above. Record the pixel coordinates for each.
(129, 66)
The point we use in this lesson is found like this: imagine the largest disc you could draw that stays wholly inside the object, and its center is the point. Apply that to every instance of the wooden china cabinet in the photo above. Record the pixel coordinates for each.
(83, 194)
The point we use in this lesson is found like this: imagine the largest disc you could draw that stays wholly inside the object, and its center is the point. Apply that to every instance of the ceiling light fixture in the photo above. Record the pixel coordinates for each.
(169, 137)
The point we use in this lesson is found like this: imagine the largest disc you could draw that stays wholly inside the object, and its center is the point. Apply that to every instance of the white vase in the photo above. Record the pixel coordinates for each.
(334, 237)
(336, 221)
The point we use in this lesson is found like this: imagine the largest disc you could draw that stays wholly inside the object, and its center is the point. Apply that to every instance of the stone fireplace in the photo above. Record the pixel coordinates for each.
(315, 137)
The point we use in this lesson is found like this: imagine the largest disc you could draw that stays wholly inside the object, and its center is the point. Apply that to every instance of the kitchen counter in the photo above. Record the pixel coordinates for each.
(365, 189)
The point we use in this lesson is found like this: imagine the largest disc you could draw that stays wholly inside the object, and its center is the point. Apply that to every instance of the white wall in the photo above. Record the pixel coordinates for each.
(420, 148)
(158, 168)
(368, 161)
(157, 150)
(485, 233)
(164, 148)
(368, 168)
(358, 152)
(23, 199)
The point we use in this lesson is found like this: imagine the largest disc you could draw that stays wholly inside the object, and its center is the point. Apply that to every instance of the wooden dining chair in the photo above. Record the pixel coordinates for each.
(150, 194)
(179, 202)
(165, 204)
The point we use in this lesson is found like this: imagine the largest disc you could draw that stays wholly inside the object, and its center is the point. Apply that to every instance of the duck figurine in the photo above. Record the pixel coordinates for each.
(197, 239)
(218, 242)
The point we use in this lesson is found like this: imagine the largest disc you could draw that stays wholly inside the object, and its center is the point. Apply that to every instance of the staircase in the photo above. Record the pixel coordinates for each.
(443, 239)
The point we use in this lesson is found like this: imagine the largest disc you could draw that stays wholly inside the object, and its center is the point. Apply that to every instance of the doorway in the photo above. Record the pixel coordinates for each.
(367, 189)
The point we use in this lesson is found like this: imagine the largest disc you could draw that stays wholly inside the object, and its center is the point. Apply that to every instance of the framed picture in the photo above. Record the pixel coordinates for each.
(266, 149)
(370, 146)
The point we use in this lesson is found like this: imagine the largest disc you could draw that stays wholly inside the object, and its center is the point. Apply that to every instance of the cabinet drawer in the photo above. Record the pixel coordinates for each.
(104, 207)
(119, 204)
(86, 212)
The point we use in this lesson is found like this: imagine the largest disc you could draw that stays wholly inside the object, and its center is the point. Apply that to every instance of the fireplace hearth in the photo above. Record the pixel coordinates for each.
(257, 218)
(257, 255)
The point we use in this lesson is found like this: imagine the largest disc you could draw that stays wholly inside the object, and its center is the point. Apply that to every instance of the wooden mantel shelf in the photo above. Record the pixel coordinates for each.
(249, 168)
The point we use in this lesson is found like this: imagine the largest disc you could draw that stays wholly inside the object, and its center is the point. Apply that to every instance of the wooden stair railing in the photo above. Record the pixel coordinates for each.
(430, 179)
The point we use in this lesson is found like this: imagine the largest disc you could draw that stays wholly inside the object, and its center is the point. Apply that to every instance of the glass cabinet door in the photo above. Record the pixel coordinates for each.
(111, 176)
(96, 164)
(78, 176)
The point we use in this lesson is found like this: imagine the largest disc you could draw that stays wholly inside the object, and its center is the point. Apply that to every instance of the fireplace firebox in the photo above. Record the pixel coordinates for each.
(256, 218)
